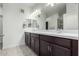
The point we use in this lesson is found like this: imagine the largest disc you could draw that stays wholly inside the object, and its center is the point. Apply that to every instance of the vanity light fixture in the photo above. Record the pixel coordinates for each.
(50, 4)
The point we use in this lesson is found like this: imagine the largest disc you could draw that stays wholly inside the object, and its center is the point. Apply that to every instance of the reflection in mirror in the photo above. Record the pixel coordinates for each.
(60, 22)
(34, 24)
(61, 12)
(55, 16)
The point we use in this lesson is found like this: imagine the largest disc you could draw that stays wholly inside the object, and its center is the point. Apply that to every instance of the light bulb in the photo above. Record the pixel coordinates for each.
(51, 4)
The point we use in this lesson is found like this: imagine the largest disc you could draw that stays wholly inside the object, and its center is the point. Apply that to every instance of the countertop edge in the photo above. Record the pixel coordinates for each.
(57, 35)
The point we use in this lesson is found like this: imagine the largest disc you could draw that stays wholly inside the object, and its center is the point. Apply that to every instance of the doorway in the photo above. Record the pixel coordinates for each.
(1, 27)
(1, 31)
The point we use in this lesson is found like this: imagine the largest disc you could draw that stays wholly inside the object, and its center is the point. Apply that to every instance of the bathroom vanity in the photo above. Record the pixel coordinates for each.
(54, 43)
(44, 44)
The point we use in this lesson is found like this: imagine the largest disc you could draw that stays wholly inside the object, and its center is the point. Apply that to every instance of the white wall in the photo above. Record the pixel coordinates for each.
(71, 17)
(52, 21)
(0, 20)
(12, 24)
(70, 22)
(1, 30)
(78, 29)
(0, 11)
(72, 8)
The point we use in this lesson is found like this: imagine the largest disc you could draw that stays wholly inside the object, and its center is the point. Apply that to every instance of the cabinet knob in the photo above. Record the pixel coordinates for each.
(50, 50)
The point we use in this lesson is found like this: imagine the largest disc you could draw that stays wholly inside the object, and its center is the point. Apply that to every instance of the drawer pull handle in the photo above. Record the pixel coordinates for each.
(48, 48)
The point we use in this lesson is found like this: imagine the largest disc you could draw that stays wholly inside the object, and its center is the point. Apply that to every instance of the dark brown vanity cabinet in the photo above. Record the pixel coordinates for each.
(32, 43)
(37, 46)
(47, 49)
(35, 43)
(44, 48)
(45, 45)
(60, 51)
(56, 46)
(27, 39)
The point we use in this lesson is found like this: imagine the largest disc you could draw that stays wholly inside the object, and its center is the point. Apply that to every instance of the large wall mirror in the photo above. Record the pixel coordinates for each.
(62, 16)
(55, 16)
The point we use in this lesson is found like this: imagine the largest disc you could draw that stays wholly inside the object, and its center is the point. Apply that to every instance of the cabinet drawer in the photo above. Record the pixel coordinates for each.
(57, 40)
(63, 42)
(47, 38)
(32, 44)
(27, 33)
(34, 35)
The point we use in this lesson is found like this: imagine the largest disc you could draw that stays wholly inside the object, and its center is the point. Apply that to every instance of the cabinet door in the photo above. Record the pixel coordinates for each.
(26, 38)
(32, 43)
(44, 48)
(36, 45)
(60, 51)
(29, 40)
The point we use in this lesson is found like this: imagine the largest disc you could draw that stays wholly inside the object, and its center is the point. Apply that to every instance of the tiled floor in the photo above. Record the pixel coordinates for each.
(17, 51)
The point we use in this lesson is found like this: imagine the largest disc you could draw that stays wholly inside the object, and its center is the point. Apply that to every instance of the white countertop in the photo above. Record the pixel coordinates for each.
(54, 33)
